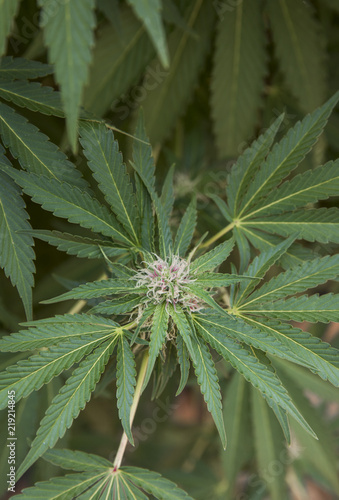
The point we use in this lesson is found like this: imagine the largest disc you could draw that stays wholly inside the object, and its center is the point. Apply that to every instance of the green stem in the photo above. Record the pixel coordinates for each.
(218, 235)
(136, 398)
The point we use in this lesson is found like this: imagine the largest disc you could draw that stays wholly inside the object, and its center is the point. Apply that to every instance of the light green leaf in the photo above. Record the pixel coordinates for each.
(51, 331)
(300, 50)
(149, 12)
(34, 150)
(119, 59)
(100, 288)
(212, 280)
(77, 245)
(116, 306)
(158, 336)
(186, 229)
(17, 68)
(8, 9)
(69, 202)
(68, 32)
(315, 308)
(76, 460)
(294, 256)
(204, 369)
(29, 375)
(309, 187)
(167, 193)
(247, 165)
(66, 406)
(300, 346)
(239, 70)
(312, 225)
(254, 371)
(144, 163)
(17, 255)
(287, 154)
(169, 96)
(125, 384)
(62, 488)
(269, 446)
(154, 483)
(259, 267)
(307, 275)
(33, 96)
(183, 362)
(213, 258)
(105, 160)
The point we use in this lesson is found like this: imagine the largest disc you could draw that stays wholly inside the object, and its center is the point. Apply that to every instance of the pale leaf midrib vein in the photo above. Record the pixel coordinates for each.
(292, 195)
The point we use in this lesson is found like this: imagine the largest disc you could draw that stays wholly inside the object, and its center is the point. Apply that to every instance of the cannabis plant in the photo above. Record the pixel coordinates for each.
(166, 294)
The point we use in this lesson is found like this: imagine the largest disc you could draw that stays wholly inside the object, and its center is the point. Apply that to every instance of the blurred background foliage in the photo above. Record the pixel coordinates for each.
(210, 77)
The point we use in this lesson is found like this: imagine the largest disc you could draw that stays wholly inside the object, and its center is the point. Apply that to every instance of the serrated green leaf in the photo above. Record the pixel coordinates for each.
(184, 363)
(34, 150)
(29, 375)
(154, 483)
(254, 371)
(308, 350)
(125, 384)
(309, 187)
(66, 406)
(17, 255)
(239, 70)
(144, 162)
(165, 237)
(269, 446)
(51, 331)
(68, 32)
(76, 460)
(119, 59)
(186, 229)
(167, 368)
(300, 50)
(168, 99)
(213, 258)
(167, 193)
(307, 275)
(260, 265)
(256, 335)
(315, 308)
(294, 256)
(61, 488)
(149, 12)
(69, 202)
(118, 306)
(287, 154)
(17, 68)
(158, 336)
(78, 245)
(33, 96)
(237, 423)
(243, 247)
(312, 225)
(99, 289)
(211, 280)
(204, 369)
(247, 165)
(105, 160)
(8, 9)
